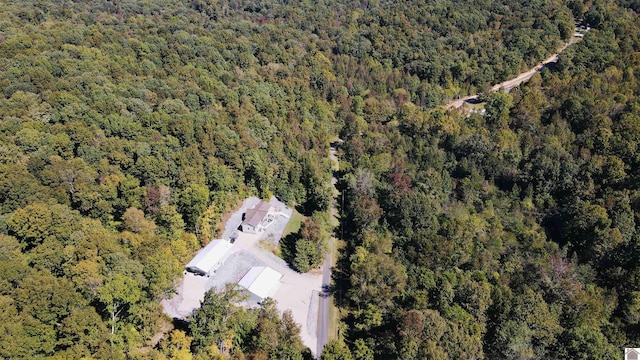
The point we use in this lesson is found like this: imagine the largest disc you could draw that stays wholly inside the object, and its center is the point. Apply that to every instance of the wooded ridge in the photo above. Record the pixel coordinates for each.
(128, 128)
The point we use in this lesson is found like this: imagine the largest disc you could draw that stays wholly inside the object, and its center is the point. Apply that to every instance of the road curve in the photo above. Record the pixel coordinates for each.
(522, 77)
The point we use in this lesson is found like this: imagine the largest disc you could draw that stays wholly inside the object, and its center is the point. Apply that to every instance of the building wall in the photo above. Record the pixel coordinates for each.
(248, 229)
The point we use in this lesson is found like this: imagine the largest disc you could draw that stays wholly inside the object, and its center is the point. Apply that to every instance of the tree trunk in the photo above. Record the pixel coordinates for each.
(113, 322)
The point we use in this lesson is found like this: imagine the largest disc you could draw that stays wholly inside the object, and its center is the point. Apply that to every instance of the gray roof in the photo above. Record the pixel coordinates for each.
(255, 215)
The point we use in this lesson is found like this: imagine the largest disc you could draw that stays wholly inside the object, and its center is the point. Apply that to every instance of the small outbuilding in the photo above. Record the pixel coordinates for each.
(258, 218)
(261, 281)
(209, 258)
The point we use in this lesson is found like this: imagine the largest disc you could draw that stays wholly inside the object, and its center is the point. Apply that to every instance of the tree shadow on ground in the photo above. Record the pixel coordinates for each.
(288, 248)
(181, 324)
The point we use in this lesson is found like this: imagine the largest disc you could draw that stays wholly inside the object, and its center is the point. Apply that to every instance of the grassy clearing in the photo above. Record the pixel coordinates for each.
(294, 223)
(334, 319)
(286, 248)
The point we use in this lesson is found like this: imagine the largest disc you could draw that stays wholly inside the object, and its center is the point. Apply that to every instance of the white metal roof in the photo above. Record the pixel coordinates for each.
(209, 256)
(261, 281)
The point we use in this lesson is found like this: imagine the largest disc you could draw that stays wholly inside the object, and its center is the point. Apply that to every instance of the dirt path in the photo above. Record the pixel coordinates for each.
(522, 77)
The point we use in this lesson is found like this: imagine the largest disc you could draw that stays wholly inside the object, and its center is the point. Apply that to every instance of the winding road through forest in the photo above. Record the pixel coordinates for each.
(522, 77)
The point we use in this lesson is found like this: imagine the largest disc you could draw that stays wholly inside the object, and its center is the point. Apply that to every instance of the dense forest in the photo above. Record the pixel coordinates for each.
(128, 128)
(511, 234)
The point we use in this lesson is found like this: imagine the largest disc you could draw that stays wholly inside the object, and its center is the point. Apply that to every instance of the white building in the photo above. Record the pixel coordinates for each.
(258, 218)
(209, 258)
(261, 281)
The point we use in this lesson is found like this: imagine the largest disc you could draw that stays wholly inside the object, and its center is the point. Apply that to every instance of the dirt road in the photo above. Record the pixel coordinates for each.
(522, 77)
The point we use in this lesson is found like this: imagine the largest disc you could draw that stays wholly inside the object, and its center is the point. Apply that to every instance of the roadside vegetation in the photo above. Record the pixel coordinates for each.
(306, 249)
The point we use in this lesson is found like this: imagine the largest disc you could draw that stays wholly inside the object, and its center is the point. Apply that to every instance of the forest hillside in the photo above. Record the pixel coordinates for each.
(128, 128)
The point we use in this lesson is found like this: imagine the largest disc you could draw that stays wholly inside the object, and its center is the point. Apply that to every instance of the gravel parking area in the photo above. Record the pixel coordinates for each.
(312, 316)
(233, 270)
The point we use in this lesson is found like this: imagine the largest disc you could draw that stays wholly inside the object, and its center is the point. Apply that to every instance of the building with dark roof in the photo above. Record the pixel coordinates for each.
(258, 218)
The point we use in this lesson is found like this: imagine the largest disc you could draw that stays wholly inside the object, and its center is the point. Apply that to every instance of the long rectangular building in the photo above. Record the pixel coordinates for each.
(209, 258)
